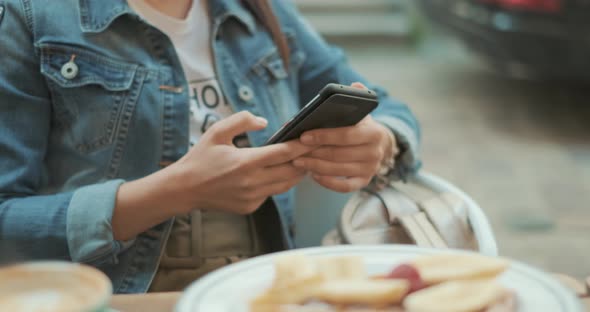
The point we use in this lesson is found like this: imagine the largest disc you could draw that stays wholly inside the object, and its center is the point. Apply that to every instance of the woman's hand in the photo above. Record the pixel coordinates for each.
(347, 158)
(213, 175)
(219, 176)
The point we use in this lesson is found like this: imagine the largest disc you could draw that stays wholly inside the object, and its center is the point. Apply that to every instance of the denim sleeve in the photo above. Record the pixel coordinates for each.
(325, 63)
(74, 225)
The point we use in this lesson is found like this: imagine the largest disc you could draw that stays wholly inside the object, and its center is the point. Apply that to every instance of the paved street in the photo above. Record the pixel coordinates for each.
(520, 148)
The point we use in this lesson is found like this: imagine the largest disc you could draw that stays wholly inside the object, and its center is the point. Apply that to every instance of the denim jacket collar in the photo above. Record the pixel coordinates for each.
(97, 15)
(219, 10)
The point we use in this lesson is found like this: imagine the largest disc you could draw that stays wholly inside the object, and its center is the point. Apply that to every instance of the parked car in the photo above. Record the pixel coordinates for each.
(524, 38)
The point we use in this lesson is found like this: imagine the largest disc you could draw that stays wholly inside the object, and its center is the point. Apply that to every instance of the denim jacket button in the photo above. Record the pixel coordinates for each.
(69, 70)
(245, 93)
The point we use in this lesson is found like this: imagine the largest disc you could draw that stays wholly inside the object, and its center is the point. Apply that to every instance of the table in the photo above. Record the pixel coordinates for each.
(152, 302)
(164, 302)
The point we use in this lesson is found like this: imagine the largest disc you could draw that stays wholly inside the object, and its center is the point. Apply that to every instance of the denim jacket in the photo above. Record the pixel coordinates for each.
(92, 96)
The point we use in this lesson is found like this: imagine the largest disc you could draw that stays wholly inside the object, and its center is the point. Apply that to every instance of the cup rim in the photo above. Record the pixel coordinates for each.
(104, 284)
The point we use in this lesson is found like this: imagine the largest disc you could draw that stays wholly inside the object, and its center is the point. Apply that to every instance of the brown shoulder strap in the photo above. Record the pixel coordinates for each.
(262, 9)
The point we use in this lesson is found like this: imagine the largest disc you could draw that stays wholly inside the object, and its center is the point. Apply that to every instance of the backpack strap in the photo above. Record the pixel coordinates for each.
(422, 231)
(448, 214)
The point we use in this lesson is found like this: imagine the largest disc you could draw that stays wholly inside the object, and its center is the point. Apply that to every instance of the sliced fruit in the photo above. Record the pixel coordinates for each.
(338, 268)
(408, 273)
(455, 296)
(296, 277)
(370, 292)
(436, 269)
(295, 270)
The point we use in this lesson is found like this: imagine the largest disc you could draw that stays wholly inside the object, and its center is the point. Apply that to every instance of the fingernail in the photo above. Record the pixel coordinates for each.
(298, 163)
(262, 120)
(307, 139)
(358, 85)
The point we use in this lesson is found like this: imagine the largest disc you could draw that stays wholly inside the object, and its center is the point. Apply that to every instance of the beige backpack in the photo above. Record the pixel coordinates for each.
(427, 211)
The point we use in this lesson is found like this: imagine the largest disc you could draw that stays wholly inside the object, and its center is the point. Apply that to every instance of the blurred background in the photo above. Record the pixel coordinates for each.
(501, 90)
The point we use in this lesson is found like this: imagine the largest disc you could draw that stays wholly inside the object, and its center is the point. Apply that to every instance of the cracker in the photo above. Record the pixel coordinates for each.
(455, 296)
(436, 269)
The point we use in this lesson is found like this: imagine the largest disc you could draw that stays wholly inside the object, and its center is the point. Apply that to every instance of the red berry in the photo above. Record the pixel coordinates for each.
(409, 273)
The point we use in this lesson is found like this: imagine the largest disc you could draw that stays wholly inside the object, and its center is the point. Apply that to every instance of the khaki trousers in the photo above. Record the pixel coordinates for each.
(204, 241)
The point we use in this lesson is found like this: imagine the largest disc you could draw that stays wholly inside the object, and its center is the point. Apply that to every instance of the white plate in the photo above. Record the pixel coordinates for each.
(230, 289)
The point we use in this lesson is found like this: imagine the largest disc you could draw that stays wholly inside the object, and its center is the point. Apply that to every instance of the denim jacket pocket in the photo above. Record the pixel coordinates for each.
(280, 80)
(91, 93)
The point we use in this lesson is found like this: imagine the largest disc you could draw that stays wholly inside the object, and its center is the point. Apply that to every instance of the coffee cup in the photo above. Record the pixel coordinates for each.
(52, 286)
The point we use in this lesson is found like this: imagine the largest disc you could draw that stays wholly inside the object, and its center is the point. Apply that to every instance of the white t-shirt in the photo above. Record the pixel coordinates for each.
(190, 38)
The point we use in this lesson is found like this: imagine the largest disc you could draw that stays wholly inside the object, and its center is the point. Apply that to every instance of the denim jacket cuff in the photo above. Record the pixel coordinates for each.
(407, 161)
(89, 230)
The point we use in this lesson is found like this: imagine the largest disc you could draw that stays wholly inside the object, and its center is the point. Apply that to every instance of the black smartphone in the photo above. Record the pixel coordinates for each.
(335, 106)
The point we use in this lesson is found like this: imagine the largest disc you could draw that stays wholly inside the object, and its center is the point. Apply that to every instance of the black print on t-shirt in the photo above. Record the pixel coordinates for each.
(208, 105)
(207, 93)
